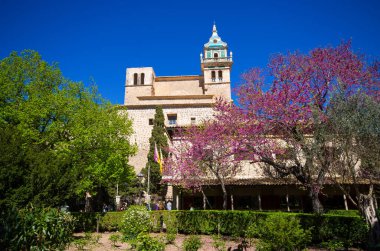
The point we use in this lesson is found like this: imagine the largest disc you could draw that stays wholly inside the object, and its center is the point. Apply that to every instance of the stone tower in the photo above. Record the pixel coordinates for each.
(216, 66)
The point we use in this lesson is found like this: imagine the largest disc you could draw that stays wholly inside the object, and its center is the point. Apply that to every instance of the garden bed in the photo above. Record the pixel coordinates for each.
(104, 243)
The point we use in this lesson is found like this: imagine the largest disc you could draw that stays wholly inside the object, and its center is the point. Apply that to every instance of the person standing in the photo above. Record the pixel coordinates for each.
(161, 205)
(155, 206)
(169, 205)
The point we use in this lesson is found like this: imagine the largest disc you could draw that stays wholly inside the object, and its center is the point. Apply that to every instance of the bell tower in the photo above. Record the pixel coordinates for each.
(215, 62)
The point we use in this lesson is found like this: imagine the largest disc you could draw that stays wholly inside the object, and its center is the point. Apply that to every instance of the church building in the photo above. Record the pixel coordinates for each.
(188, 100)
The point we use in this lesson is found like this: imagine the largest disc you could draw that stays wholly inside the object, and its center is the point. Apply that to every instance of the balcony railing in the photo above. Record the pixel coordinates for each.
(211, 60)
(216, 79)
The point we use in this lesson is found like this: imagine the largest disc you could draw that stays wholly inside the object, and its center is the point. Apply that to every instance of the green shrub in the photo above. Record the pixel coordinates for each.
(156, 221)
(166, 220)
(235, 223)
(171, 223)
(85, 221)
(198, 221)
(279, 232)
(351, 231)
(114, 238)
(91, 238)
(80, 243)
(136, 220)
(231, 223)
(332, 245)
(170, 238)
(10, 228)
(88, 236)
(218, 243)
(146, 243)
(111, 221)
(192, 243)
(50, 228)
(35, 228)
(96, 238)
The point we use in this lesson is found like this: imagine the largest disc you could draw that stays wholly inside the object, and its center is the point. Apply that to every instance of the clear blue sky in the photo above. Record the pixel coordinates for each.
(99, 39)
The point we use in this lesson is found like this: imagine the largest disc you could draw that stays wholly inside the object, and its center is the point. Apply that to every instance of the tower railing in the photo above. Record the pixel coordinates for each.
(211, 60)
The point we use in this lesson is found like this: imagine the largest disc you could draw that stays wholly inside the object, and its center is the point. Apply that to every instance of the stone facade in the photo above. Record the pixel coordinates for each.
(188, 100)
(143, 130)
(185, 99)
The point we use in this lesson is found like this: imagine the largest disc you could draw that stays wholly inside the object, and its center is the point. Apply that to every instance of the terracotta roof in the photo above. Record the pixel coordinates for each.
(275, 182)
(249, 182)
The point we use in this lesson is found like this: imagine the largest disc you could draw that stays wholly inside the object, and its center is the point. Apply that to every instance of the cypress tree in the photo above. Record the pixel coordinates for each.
(159, 137)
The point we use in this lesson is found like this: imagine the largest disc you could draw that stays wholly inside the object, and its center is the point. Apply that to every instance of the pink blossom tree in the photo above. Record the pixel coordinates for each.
(281, 121)
(203, 153)
(281, 117)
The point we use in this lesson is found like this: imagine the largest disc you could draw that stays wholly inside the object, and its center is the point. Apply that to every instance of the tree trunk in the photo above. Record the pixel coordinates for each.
(224, 190)
(87, 207)
(225, 198)
(316, 203)
(367, 208)
(205, 202)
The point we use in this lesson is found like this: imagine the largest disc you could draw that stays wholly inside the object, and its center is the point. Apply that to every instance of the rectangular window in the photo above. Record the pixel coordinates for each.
(193, 121)
(220, 76)
(142, 78)
(172, 118)
(213, 76)
(150, 121)
(135, 78)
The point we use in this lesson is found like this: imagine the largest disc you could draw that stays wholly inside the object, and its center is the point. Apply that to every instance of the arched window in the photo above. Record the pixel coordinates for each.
(142, 78)
(213, 76)
(135, 79)
(215, 55)
(220, 75)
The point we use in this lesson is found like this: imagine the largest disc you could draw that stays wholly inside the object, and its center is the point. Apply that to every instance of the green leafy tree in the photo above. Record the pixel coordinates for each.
(59, 138)
(159, 137)
(354, 126)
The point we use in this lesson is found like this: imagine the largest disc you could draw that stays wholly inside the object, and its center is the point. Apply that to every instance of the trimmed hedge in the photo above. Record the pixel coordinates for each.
(344, 212)
(350, 229)
(85, 222)
(110, 221)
